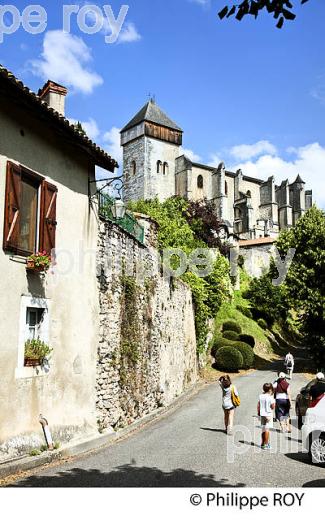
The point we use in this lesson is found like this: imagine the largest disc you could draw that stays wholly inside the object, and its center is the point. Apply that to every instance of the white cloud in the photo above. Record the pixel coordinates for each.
(318, 93)
(112, 139)
(243, 152)
(90, 127)
(308, 161)
(129, 34)
(203, 3)
(192, 156)
(215, 160)
(64, 59)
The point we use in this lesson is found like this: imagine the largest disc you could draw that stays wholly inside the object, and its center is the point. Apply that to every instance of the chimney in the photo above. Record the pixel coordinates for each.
(54, 95)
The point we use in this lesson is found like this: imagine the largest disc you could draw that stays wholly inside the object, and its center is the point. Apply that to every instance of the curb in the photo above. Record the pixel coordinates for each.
(98, 441)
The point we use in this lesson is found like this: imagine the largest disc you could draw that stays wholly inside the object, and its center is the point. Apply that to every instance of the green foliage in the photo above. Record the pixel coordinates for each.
(247, 338)
(305, 280)
(130, 329)
(37, 349)
(229, 358)
(189, 226)
(230, 334)
(231, 325)
(267, 300)
(34, 453)
(219, 342)
(247, 353)
(245, 310)
(262, 323)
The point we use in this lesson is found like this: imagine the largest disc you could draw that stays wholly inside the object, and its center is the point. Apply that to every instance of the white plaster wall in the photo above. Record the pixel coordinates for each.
(66, 394)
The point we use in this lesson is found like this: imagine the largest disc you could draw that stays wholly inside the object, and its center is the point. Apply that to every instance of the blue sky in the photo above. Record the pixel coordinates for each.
(245, 93)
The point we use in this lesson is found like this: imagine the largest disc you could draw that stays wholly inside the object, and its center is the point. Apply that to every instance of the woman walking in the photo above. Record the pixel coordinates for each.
(282, 402)
(230, 401)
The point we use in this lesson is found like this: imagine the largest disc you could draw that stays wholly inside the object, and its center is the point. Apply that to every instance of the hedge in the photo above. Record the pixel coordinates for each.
(231, 325)
(229, 359)
(246, 338)
(219, 342)
(230, 334)
(247, 353)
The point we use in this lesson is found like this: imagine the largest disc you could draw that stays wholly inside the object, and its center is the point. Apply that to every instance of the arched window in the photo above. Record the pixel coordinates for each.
(166, 168)
(133, 168)
(200, 182)
(159, 166)
(226, 188)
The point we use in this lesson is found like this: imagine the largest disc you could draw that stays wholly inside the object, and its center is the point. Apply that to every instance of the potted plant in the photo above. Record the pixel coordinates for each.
(36, 351)
(39, 262)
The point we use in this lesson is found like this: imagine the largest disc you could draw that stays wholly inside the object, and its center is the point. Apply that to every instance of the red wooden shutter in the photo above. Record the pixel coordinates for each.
(48, 217)
(12, 208)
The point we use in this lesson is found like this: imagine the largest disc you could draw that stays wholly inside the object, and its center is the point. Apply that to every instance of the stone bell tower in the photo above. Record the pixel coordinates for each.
(151, 143)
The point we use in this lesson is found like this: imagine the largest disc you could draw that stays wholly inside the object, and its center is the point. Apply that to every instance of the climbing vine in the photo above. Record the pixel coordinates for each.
(189, 226)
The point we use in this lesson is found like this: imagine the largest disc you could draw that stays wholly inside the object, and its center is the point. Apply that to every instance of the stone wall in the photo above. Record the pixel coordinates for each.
(147, 346)
(257, 258)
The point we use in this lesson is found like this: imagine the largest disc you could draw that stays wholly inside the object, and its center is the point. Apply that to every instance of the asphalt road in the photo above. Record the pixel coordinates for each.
(188, 448)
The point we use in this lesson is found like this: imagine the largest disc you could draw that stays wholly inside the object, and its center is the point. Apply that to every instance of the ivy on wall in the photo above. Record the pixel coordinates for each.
(188, 226)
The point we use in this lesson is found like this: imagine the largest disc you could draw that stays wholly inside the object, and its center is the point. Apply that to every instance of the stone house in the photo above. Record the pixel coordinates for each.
(45, 166)
(113, 359)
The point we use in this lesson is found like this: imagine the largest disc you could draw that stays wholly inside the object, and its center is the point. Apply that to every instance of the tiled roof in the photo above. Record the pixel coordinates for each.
(153, 114)
(256, 242)
(100, 157)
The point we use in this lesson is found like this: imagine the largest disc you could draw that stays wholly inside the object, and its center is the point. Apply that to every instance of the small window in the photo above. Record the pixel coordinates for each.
(237, 213)
(34, 318)
(226, 188)
(166, 168)
(159, 166)
(200, 182)
(133, 168)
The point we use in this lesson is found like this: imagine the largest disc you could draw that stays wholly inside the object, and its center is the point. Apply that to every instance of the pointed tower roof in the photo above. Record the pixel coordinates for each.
(152, 113)
(299, 180)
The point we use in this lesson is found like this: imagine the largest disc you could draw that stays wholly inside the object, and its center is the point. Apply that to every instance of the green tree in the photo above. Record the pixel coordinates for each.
(305, 281)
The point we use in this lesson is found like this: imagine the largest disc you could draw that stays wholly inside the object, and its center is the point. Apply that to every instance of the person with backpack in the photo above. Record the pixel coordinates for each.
(289, 364)
(265, 408)
(282, 402)
(230, 401)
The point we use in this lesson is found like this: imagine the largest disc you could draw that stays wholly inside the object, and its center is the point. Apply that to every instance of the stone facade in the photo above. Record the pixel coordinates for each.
(250, 208)
(147, 345)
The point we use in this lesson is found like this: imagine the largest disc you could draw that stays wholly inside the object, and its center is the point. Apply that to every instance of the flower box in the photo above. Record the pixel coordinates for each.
(38, 263)
(30, 362)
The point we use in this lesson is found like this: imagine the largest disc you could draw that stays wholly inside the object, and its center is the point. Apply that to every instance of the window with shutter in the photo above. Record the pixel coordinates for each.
(30, 212)
(48, 217)
(12, 208)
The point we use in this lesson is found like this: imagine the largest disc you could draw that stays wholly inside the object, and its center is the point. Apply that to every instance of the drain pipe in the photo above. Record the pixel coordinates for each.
(46, 431)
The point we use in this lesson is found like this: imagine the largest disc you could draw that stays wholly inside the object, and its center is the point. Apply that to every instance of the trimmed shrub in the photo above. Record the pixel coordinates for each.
(246, 338)
(229, 359)
(230, 334)
(247, 353)
(262, 323)
(219, 342)
(231, 325)
(245, 311)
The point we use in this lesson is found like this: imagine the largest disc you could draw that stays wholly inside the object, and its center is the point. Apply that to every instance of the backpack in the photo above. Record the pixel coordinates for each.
(235, 398)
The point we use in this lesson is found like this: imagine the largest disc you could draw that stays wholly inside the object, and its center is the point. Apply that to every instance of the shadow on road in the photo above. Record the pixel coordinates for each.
(126, 476)
(303, 457)
(315, 483)
(218, 430)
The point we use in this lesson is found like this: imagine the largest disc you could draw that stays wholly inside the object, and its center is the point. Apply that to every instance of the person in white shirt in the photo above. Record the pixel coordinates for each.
(265, 408)
(289, 364)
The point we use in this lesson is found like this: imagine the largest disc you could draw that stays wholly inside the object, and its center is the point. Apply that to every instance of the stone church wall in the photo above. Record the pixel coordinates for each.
(147, 345)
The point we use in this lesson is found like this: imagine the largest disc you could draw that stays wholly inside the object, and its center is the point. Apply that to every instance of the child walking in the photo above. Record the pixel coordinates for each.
(265, 407)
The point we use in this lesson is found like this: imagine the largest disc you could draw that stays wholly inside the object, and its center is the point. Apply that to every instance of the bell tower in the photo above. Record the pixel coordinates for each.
(151, 143)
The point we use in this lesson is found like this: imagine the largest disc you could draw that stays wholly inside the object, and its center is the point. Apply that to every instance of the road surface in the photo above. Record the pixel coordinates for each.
(188, 448)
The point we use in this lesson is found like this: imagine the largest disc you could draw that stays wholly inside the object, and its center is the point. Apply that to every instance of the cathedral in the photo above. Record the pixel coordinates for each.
(249, 208)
